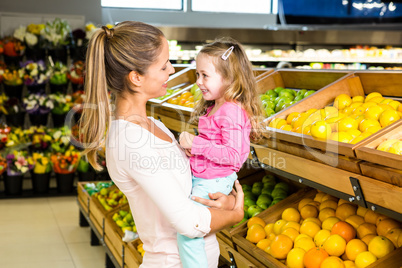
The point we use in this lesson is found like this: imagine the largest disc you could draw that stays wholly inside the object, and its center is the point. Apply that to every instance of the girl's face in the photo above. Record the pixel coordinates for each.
(155, 82)
(210, 82)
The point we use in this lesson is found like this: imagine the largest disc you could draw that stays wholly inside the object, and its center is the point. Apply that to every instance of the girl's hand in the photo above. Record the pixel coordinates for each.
(188, 152)
(186, 140)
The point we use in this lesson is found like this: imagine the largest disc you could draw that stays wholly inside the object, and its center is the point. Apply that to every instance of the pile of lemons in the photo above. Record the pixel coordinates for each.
(325, 231)
(349, 119)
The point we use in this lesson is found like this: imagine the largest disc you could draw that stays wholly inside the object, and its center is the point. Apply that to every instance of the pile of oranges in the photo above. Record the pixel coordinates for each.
(185, 99)
(325, 231)
(349, 120)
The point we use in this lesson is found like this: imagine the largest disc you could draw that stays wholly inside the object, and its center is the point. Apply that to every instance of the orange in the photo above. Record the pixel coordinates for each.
(366, 123)
(314, 257)
(291, 224)
(355, 220)
(186, 95)
(269, 229)
(364, 259)
(354, 247)
(320, 130)
(345, 210)
(393, 236)
(280, 246)
(255, 233)
(305, 243)
(366, 239)
(295, 258)
(386, 225)
(371, 216)
(315, 203)
(264, 243)
(291, 116)
(372, 95)
(302, 236)
(292, 233)
(326, 213)
(320, 237)
(341, 101)
(328, 204)
(309, 228)
(329, 222)
(380, 246)
(380, 218)
(291, 214)
(345, 230)
(255, 220)
(308, 211)
(349, 264)
(278, 226)
(343, 201)
(361, 211)
(303, 202)
(329, 197)
(335, 245)
(173, 101)
(388, 117)
(319, 196)
(365, 229)
(316, 220)
(347, 123)
(332, 262)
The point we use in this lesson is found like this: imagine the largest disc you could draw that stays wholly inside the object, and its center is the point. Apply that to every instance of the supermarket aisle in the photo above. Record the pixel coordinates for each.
(44, 232)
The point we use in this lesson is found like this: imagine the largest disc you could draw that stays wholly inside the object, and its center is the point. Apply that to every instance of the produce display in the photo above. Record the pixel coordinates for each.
(124, 219)
(93, 188)
(393, 146)
(348, 120)
(110, 198)
(262, 195)
(275, 100)
(325, 231)
(140, 249)
(169, 92)
(187, 98)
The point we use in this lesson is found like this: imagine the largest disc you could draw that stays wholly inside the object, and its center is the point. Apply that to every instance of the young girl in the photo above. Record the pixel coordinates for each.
(227, 113)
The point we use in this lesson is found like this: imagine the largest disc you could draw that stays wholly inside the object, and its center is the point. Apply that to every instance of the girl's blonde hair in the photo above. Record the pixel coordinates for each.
(111, 55)
(237, 71)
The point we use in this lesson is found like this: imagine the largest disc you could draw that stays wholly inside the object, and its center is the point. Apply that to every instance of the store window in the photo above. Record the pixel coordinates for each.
(148, 4)
(236, 6)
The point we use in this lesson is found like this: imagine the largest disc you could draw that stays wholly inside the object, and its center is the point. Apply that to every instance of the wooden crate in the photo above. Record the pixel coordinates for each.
(132, 257)
(349, 84)
(269, 215)
(83, 196)
(117, 253)
(112, 231)
(241, 261)
(381, 165)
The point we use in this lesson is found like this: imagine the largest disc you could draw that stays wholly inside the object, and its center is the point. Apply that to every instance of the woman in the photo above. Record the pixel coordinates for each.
(143, 158)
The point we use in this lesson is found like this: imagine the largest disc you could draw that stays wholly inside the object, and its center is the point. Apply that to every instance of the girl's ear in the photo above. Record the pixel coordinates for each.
(135, 78)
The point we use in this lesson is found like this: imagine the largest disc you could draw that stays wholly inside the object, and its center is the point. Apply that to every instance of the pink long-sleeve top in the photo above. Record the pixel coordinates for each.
(155, 176)
(223, 142)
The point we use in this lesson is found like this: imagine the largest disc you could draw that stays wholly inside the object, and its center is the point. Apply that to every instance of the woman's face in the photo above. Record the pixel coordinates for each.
(155, 82)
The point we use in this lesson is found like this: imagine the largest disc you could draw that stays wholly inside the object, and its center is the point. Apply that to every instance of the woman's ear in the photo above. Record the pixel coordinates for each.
(135, 78)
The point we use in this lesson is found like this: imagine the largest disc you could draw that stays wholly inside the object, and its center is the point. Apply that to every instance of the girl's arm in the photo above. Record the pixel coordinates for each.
(231, 123)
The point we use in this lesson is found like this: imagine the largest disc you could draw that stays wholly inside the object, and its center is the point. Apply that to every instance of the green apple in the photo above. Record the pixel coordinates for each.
(298, 97)
(246, 187)
(271, 93)
(278, 89)
(275, 201)
(268, 104)
(308, 93)
(264, 198)
(301, 92)
(254, 210)
(265, 97)
(249, 202)
(286, 94)
(268, 178)
(263, 205)
(256, 190)
(197, 94)
(282, 185)
(269, 112)
(249, 195)
(194, 88)
(276, 192)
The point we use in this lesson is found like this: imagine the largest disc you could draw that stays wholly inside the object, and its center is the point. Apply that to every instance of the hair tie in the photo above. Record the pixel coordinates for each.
(109, 32)
(227, 53)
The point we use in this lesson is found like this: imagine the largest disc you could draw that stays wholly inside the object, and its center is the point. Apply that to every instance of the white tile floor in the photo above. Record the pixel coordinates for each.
(45, 233)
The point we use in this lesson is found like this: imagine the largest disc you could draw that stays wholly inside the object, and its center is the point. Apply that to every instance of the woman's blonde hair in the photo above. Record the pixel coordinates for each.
(111, 55)
(237, 71)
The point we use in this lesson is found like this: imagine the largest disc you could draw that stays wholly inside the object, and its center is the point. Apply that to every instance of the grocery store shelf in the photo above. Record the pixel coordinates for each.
(328, 60)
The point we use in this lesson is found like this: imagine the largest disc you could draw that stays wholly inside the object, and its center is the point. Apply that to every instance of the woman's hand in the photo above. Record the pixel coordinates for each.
(234, 201)
(186, 140)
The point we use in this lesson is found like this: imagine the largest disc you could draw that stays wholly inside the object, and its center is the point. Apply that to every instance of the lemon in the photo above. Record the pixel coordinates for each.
(286, 127)
(388, 117)
(372, 95)
(394, 104)
(366, 123)
(358, 99)
(396, 148)
(291, 116)
(347, 123)
(321, 130)
(341, 136)
(341, 101)
(373, 112)
(354, 132)
(277, 123)
(364, 259)
(377, 99)
(386, 101)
